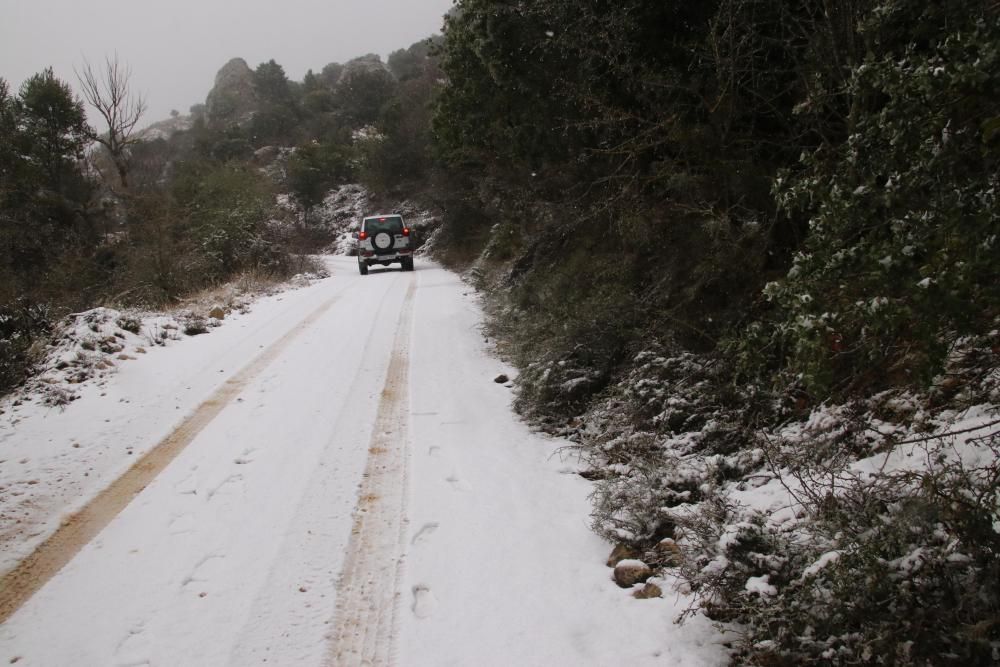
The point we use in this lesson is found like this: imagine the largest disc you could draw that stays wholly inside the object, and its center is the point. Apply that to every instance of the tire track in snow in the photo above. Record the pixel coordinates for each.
(368, 588)
(19, 584)
(276, 625)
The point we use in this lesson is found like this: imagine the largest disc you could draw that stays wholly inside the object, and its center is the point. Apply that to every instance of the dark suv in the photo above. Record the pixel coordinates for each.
(384, 239)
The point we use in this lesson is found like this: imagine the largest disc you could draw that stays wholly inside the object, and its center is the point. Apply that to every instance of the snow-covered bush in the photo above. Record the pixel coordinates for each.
(775, 443)
(892, 559)
(903, 216)
(853, 534)
(668, 434)
(568, 349)
(23, 325)
(556, 387)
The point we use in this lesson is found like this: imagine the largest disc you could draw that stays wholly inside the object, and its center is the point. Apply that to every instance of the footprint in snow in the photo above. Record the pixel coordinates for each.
(245, 458)
(425, 532)
(134, 649)
(189, 485)
(232, 479)
(424, 602)
(182, 523)
(458, 483)
(205, 570)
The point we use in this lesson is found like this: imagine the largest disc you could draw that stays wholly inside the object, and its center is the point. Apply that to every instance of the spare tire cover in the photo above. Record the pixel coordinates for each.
(383, 241)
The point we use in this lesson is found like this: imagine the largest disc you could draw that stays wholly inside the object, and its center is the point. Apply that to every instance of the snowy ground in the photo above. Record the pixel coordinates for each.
(330, 477)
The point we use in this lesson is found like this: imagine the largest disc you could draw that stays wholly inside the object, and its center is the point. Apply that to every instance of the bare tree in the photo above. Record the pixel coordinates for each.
(109, 94)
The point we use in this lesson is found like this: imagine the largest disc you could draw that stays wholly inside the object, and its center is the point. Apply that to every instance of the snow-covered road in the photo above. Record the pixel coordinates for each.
(331, 479)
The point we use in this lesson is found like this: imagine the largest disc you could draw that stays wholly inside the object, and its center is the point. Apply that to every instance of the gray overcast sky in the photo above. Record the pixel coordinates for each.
(175, 47)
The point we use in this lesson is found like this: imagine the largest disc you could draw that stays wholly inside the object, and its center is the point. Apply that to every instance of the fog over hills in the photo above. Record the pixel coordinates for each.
(175, 53)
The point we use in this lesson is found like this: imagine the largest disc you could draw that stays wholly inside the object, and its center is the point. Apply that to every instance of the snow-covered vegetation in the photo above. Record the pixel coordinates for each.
(747, 269)
(742, 254)
(86, 348)
(265, 173)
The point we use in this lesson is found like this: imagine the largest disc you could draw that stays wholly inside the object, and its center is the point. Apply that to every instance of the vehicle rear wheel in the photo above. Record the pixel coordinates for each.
(362, 268)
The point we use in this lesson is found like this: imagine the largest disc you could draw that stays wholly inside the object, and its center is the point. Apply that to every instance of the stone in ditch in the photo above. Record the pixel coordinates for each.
(669, 553)
(648, 591)
(630, 572)
(622, 552)
(500, 379)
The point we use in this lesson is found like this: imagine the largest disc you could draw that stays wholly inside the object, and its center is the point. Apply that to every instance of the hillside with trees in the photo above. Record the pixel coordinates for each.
(743, 252)
(112, 215)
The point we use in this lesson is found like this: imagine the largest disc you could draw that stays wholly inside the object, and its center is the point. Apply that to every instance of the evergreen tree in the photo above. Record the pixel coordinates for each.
(53, 129)
(278, 116)
(42, 192)
(8, 137)
(271, 83)
(330, 75)
(314, 168)
(310, 82)
(363, 89)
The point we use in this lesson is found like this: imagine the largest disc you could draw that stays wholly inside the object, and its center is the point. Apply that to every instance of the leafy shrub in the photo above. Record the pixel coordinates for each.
(228, 206)
(557, 387)
(314, 168)
(130, 322)
(195, 325)
(889, 562)
(903, 216)
(23, 325)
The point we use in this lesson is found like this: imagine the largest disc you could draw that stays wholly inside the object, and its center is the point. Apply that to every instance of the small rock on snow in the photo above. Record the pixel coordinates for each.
(668, 550)
(621, 552)
(648, 591)
(631, 572)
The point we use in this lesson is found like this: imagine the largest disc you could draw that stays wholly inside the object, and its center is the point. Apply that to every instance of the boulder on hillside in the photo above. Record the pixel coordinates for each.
(263, 157)
(233, 99)
(165, 129)
(364, 87)
(368, 64)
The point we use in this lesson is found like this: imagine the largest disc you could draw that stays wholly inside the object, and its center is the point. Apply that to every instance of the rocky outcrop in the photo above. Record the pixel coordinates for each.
(364, 88)
(233, 99)
(273, 161)
(369, 64)
(167, 128)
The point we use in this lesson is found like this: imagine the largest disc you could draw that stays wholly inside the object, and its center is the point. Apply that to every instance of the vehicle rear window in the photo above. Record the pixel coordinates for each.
(390, 223)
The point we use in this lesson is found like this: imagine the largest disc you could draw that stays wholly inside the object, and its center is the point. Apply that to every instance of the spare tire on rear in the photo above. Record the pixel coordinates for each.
(383, 242)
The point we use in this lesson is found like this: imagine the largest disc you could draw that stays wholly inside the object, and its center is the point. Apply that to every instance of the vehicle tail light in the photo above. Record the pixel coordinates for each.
(362, 236)
(406, 231)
